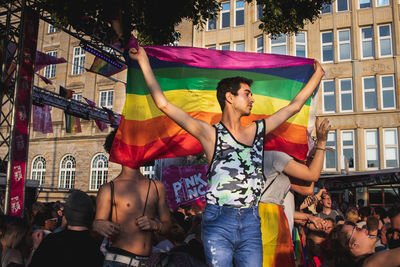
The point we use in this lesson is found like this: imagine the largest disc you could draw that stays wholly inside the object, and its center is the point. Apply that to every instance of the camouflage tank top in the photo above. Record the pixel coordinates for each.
(235, 176)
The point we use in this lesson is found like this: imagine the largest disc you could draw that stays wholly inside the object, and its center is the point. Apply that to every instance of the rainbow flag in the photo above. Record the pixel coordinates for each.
(189, 77)
(102, 67)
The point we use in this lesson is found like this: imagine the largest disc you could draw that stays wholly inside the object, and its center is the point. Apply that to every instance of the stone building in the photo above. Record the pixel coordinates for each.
(356, 41)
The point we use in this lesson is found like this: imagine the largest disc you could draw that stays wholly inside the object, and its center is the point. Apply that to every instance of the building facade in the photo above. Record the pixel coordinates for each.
(357, 43)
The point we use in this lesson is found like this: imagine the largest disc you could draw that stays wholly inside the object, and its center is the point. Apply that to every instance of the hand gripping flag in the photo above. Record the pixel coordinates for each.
(189, 77)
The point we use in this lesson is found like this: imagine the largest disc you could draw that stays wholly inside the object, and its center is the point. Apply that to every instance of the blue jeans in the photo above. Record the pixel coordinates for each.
(232, 235)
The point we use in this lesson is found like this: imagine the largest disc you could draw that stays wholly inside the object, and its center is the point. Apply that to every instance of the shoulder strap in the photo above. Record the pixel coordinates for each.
(147, 198)
(112, 202)
(155, 185)
(265, 189)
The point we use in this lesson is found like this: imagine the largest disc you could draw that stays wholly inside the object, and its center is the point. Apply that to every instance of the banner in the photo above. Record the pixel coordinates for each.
(42, 119)
(185, 185)
(23, 109)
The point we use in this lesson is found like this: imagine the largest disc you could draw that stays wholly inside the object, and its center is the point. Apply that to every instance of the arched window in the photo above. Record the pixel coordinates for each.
(99, 171)
(38, 169)
(67, 172)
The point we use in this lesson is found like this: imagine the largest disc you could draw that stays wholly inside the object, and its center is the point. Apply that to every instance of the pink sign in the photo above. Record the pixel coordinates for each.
(23, 109)
(185, 185)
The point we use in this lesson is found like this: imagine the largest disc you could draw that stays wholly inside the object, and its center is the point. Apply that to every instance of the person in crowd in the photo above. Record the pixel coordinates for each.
(350, 246)
(329, 225)
(393, 233)
(128, 209)
(238, 192)
(276, 234)
(352, 215)
(313, 247)
(327, 211)
(373, 231)
(14, 231)
(75, 245)
(364, 213)
(360, 203)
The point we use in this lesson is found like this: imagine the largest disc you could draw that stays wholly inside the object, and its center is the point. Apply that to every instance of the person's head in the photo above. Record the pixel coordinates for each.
(78, 209)
(360, 203)
(352, 215)
(394, 215)
(313, 242)
(347, 243)
(372, 223)
(109, 141)
(364, 213)
(326, 200)
(330, 224)
(14, 231)
(230, 87)
(393, 238)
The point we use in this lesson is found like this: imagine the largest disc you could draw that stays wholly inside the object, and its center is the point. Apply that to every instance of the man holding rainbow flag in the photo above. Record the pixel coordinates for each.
(231, 223)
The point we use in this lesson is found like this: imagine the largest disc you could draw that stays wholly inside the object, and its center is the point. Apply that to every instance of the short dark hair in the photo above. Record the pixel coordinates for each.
(109, 141)
(231, 85)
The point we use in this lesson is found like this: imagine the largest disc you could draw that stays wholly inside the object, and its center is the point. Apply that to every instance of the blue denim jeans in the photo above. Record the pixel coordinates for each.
(232, 236)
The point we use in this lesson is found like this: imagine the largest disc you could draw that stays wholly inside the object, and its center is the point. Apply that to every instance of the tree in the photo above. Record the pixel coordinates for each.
(155, 20)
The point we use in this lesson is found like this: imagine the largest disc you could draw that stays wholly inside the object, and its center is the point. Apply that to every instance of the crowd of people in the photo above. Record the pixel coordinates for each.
(61, 234)
(260, 207)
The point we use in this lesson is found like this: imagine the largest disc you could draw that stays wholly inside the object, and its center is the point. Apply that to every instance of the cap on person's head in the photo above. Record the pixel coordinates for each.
(78, 209)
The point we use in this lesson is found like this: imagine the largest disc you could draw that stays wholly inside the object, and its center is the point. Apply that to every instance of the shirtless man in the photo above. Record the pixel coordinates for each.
(231, 224)
(138, 200)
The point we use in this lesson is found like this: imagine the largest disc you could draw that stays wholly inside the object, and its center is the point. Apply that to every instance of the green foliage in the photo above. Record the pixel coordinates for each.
(155, 20)
(288, 16)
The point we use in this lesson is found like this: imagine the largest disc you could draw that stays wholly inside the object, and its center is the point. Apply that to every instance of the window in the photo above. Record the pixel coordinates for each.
(346, 95)
(365, 3)
(212, 23)
(212, 47)
(225, 47)
(391, 148)
(330, 155)
(226, 15)
(329, 96)
(99, 171)
(348, 148)
(372, 148)
(342, 5)
(239, 13)
(388, 93)
(240, 47)
(326, 8)
(367, 43)
(384, 197)
(278, 45)
(50, 70)
(260, 44)
(301, 44)
(385, 40)
(38, 171)
(369, 87)
(77, 97)
(52, 29)
(327, 46)
(78, 61)
(344, 45)
(67, 172)
(259, 11)
(382, 3)
(106, 98)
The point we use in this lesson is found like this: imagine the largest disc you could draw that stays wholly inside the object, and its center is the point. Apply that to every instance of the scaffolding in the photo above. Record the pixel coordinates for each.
(11, 27)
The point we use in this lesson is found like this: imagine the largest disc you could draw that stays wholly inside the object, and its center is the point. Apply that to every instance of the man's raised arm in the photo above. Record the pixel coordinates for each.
(282, 115)
(198, 128)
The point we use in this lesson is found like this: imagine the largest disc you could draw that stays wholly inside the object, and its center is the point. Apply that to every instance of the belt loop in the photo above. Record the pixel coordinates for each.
(114, 256)
(130, 262)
